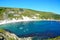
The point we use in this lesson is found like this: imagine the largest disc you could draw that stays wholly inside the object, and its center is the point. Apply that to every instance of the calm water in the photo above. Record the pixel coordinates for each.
(43, 29)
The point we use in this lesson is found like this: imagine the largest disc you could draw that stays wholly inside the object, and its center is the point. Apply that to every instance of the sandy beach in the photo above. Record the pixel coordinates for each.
(12, 21)
(20, 20)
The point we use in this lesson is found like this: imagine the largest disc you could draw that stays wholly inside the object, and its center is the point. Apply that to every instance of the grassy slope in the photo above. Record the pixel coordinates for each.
(28, 12)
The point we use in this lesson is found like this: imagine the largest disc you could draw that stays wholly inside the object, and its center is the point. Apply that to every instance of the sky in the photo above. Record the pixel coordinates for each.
(40, 5)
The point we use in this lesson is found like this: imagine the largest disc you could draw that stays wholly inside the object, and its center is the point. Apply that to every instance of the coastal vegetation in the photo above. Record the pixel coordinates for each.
(19, 13)
(5, 35)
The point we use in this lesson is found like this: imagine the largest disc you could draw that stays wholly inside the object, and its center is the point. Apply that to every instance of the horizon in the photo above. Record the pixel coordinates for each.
(39, 5)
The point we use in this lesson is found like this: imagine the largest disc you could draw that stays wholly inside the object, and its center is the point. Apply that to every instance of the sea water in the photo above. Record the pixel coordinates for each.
(44, 29)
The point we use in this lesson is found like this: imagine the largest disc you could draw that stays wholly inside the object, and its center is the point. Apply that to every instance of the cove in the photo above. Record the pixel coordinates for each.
(44, 29)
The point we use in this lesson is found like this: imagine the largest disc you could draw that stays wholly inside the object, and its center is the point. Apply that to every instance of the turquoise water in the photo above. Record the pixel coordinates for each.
(34, 28)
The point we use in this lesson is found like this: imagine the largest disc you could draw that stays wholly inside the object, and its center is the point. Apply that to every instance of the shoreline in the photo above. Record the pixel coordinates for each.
(19, 20)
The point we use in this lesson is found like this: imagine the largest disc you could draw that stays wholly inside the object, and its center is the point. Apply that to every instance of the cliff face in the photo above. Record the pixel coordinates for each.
(20, 13)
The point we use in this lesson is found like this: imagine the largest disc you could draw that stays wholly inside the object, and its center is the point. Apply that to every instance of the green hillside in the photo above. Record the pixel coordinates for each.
(17, 13)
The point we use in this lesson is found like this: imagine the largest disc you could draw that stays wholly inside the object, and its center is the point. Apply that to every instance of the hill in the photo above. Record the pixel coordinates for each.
(7, 13)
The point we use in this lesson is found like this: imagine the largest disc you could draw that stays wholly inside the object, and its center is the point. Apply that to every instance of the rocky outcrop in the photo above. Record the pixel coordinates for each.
(5, 35)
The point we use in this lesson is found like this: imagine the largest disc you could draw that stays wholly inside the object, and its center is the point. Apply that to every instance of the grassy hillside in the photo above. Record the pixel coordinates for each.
(17, 13)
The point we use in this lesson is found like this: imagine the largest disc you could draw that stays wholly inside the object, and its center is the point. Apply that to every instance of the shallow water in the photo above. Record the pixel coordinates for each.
(44, 29)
